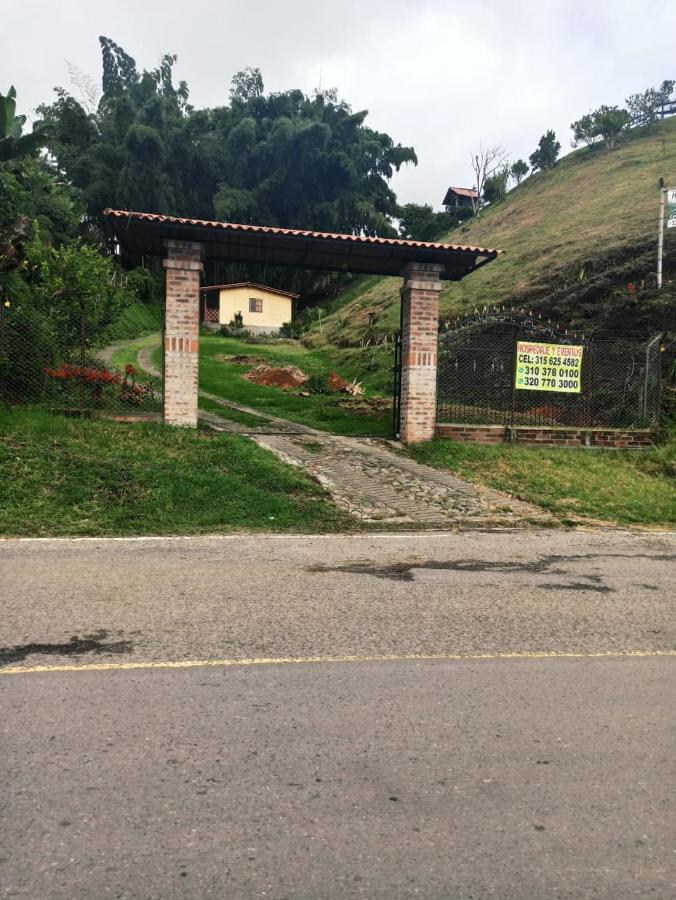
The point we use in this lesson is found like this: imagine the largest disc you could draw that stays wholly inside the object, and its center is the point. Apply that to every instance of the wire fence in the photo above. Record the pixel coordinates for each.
(57, 361)
(493, 369)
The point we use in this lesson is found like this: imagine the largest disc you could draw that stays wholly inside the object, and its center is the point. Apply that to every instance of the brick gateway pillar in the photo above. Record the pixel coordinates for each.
(419, 339)
(183, 265)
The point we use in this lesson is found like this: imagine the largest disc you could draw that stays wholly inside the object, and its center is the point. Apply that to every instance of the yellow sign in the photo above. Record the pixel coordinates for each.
(548, 367)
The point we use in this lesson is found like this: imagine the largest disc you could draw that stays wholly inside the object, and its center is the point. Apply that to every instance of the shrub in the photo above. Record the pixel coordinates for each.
(292, 329)
(317, 384)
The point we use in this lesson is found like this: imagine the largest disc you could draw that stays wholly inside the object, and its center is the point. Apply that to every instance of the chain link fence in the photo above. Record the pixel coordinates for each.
(619, 379)
(57, 362)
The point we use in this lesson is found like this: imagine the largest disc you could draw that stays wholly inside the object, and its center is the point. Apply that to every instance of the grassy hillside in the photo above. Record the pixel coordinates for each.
(573, 239)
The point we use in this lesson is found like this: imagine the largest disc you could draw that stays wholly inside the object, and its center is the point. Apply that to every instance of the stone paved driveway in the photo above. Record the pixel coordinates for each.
(371, 478)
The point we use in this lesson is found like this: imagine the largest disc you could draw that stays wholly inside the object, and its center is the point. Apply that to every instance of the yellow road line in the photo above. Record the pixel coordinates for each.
(288, 660)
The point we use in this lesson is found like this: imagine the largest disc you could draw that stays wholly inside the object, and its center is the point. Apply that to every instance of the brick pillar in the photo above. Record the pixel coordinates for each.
(181, 332)
(419, 337)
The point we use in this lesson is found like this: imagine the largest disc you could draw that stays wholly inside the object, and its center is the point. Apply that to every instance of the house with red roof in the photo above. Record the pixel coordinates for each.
(459, 198)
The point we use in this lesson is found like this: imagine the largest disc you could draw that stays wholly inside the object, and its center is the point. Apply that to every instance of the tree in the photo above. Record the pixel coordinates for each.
(547, 152)
(609, 123)
(485, 163)
(644, 108)
(246, 84)
(519, 170)
(495, 188)
(665, 99)
(119, 69)
(14, 144)
(420, 222)
(282, 159)
(584, 131)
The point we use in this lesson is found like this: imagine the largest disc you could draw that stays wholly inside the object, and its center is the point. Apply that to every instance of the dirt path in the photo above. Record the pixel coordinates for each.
(371, 478)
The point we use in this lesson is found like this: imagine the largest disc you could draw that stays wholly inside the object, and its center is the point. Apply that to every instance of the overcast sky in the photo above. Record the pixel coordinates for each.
(440, 75)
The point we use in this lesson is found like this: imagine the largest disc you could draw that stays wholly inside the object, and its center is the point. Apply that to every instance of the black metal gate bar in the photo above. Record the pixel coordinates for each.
(396, 387)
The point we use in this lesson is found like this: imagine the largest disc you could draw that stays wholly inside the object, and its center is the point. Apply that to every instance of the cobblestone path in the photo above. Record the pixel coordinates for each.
(374, 482)
(369, 478)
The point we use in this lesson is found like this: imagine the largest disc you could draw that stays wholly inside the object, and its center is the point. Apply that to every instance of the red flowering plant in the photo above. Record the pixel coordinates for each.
(95, 379)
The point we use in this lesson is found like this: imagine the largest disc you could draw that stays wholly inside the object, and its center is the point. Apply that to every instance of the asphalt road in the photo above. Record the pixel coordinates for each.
(528, 773)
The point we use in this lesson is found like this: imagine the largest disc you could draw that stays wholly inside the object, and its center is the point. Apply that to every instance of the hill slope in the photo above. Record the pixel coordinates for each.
(574, 238)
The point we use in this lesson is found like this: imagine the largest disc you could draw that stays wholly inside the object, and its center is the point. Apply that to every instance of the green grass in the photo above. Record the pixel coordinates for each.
(629, 488)
(321, 411)
(590, 202)
(92, 477)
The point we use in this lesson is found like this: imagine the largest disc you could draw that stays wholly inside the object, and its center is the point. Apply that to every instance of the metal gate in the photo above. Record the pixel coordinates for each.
(620, 376)
(396, 387)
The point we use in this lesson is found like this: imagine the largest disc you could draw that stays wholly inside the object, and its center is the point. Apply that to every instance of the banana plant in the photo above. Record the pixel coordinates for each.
(14, 144)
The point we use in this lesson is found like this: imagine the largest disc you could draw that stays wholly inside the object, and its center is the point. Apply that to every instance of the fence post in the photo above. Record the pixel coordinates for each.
(589, 391)
(515, 337)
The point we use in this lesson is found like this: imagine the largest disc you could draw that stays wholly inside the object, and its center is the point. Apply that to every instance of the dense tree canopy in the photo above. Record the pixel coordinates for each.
(279, 159)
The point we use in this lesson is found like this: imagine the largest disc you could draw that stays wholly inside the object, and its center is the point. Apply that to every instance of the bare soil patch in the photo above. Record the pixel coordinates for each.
(279, 376)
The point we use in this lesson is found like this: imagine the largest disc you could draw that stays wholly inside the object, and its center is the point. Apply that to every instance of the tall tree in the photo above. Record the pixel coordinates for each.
(485, 163)
(547, 152)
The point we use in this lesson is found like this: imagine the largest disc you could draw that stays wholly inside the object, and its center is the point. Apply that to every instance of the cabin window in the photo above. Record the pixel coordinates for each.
(255, 305)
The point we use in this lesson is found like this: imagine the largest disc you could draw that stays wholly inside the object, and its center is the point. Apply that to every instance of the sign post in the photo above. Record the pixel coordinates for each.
(668, 194)
(548, 367)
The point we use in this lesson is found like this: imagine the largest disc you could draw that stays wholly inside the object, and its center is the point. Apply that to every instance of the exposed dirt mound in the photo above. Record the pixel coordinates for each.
(281, 376)
(336, 383)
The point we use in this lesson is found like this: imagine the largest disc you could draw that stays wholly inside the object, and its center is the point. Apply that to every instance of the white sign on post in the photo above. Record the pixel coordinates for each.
(671, 208)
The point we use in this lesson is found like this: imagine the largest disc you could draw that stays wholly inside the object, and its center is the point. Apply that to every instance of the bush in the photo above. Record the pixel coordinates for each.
(292, 329)
(317, 384)
(232, 331)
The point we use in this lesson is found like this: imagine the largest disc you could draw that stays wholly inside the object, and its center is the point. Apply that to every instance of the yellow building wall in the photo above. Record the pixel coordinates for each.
(276, 309)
